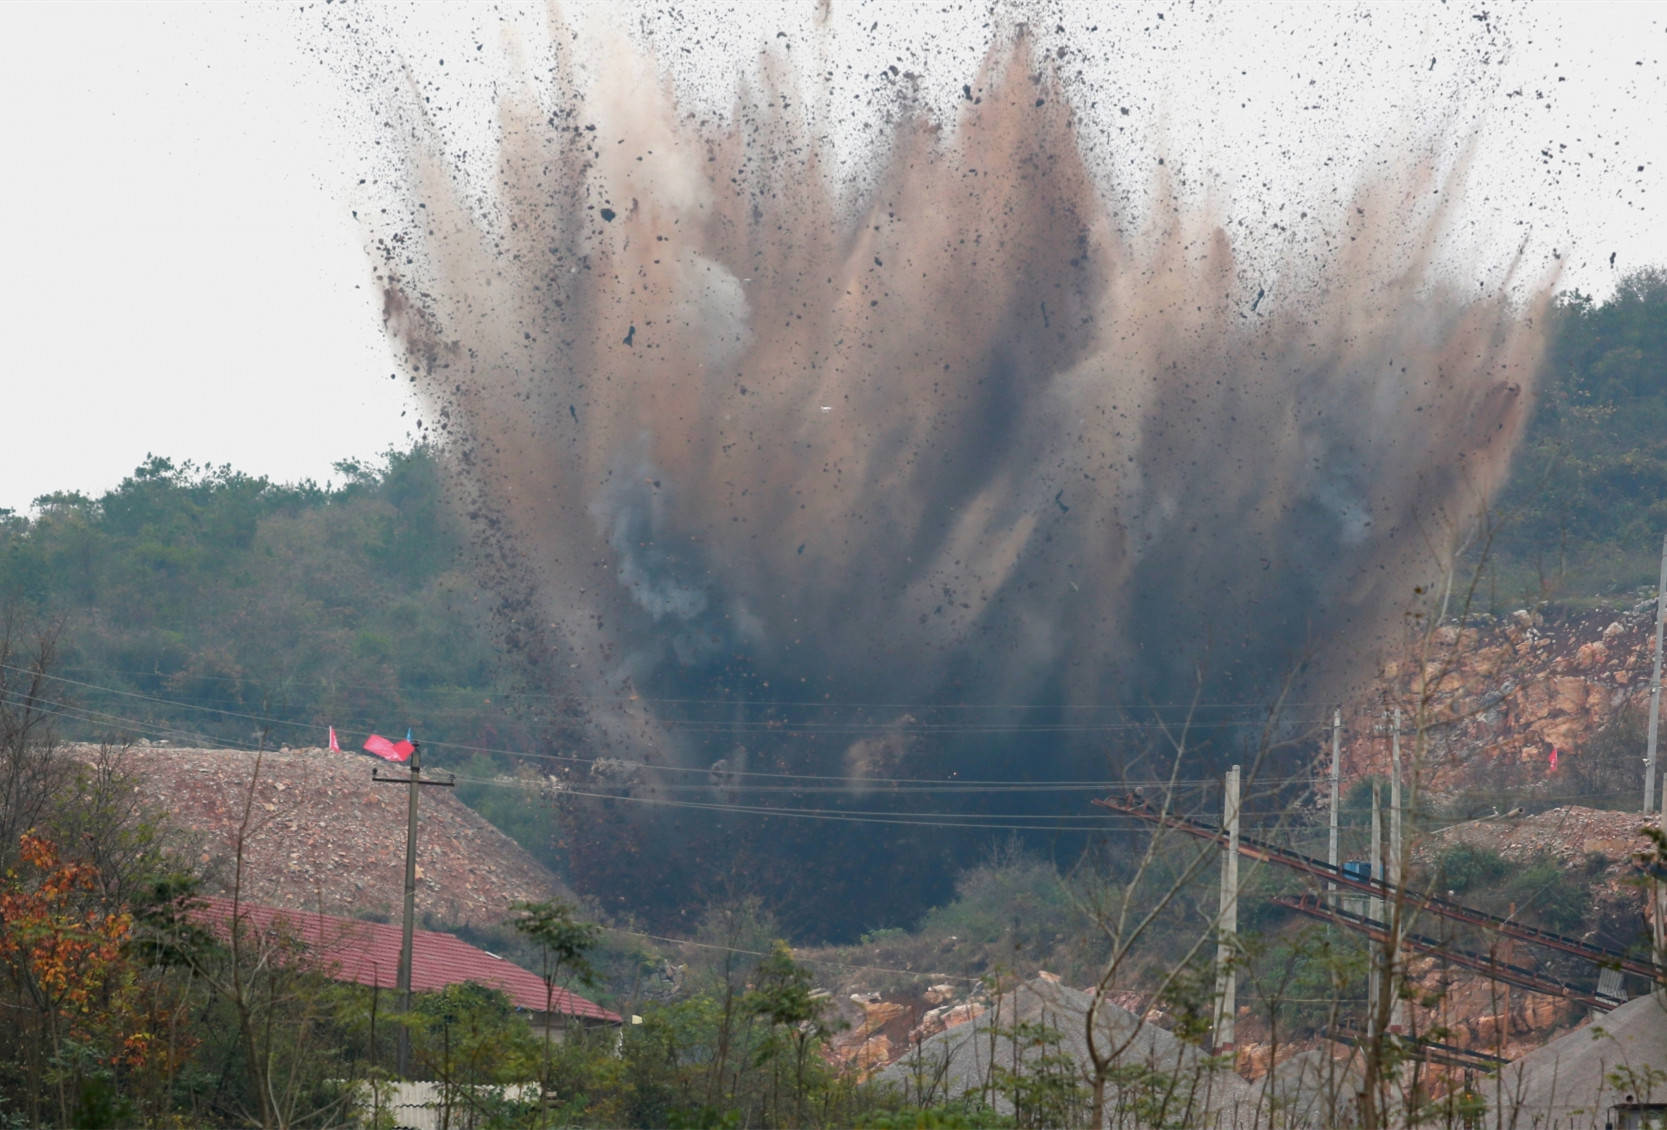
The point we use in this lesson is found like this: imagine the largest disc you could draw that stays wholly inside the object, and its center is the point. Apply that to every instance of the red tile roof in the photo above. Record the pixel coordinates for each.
(367, 953)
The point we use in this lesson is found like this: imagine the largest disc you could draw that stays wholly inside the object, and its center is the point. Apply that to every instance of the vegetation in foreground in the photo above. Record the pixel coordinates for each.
(123, 1012)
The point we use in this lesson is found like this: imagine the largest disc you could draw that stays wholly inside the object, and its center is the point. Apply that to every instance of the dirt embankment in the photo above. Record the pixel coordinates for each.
(321, 835)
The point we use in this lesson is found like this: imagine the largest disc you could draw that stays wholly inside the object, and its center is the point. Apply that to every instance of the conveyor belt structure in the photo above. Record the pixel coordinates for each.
(1520, 976)
(1431, 1051)
(1446, 908)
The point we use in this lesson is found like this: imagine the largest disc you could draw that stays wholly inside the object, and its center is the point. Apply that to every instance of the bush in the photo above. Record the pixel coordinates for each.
(1463, 866)
(1545, 889)
(1011, 911)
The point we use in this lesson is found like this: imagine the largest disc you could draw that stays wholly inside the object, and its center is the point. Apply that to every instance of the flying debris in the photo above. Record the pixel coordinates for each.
(1059, 383)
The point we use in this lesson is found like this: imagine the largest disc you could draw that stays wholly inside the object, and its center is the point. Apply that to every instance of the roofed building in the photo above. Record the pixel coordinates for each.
(367, 953)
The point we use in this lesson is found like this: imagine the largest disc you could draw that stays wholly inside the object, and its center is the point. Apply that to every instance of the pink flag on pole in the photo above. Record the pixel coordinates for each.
(1554, 759)
(335, 746)
(392, 751)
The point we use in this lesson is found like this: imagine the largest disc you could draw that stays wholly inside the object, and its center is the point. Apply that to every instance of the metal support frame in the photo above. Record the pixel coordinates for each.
(1458, 912)
(1519, 975)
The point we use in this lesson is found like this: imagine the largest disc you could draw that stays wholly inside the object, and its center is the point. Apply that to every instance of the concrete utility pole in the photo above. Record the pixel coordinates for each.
(1226, 979)
(1655, 686)
(1393, 870)
(408, 922)
(1336, 776)
(414, 782)
(1658, 889)
(1374, 905)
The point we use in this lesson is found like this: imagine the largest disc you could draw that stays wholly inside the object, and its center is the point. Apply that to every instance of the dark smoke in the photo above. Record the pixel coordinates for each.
(971, 439)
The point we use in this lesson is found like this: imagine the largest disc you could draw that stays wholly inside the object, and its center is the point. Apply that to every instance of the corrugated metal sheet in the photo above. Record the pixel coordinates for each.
(424, 1105)
(367, 953)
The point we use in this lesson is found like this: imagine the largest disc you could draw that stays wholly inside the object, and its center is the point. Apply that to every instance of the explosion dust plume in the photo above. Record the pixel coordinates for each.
(728, 434)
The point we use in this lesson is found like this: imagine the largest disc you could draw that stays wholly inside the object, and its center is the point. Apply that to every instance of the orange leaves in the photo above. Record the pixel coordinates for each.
(37, 852)
(136, 1048)
(66, 950)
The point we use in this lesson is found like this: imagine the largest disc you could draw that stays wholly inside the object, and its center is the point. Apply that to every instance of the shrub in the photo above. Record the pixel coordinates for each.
(1463, 866)
(1542, 889)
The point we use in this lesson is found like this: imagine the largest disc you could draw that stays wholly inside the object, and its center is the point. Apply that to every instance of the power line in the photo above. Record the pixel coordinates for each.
(995, 821)
(553, 696)
(1063, 823)
(737, 780)
(1032, 822)
(902, 786)
(701, 726)
(1045, 822)
(309, 725)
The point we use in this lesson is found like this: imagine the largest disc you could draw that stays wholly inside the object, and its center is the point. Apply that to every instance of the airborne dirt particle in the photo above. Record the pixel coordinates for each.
(783, 547)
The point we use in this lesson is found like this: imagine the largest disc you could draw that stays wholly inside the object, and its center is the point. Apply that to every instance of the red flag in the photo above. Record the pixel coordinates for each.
(335, 746)
(393, 751)
(1554, 759)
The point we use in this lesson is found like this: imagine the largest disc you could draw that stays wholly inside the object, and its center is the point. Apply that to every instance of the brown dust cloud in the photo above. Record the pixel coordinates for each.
(800, 497)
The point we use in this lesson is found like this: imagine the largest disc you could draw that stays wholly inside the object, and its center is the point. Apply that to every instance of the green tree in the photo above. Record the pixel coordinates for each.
(469, 1038)
(564, 944)
(785, 999)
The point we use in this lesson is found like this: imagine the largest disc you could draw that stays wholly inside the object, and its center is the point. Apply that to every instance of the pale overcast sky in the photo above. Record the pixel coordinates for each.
(183, 274)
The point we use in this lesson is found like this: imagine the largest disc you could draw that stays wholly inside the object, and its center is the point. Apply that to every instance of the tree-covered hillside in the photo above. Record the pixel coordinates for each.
(205, 601)
(1587, 503)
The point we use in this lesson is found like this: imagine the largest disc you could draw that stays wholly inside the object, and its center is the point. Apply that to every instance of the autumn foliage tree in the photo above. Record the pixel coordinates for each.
(77, 1010)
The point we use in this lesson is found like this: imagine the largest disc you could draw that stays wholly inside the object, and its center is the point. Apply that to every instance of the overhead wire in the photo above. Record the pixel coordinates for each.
(270, 721)
(775, 725)
(1063, 822)
(563, 696)
(825, 783)
(922, 787)
(733, 781)
(1034, 822)
(1089, 822)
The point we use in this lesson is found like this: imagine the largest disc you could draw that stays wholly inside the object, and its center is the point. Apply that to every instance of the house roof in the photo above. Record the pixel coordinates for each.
(367, 953)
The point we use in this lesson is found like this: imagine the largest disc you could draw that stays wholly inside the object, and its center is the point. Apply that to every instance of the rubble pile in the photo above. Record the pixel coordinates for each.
(1568, 832)
(318, 834)
(1155, 1078)
(964, 1058)
(1574, 1080)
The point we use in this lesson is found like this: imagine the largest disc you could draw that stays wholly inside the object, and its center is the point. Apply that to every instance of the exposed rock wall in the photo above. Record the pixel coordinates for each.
(1503, 691)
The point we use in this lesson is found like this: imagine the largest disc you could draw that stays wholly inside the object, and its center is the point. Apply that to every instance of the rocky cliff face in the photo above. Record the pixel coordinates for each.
(1494, 700)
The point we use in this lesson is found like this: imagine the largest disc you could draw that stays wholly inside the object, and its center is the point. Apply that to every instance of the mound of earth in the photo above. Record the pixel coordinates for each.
(1568, 832)
(1160, 1078)
(1575, 1079)
(318, 834)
